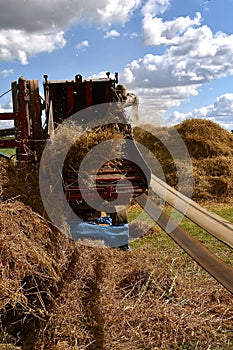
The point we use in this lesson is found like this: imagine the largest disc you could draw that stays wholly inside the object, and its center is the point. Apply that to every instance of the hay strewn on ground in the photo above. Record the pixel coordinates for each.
(58, 295)
(131, 300)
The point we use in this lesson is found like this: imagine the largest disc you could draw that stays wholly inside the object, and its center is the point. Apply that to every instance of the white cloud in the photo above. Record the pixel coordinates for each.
(158, 32)
(195, 57)
(29, 29)
(6, 107)
(133, 35)
(6, 124)
(6, 72)
(111, 34)
(155, 102)
(118, 11)
(154, 7)
(221, 112)
(82, 44)
(59, 14)
(20, 45)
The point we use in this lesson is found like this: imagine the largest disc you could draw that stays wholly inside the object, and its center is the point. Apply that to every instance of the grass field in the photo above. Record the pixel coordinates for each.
(8, 151)
(165, 244)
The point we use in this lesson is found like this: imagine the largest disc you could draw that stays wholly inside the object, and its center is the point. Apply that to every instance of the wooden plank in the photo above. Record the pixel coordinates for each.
(212, 223)
(35, 116)
(205, 258)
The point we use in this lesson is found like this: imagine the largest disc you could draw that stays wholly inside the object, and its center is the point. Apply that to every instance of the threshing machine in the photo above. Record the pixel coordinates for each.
(62, 99)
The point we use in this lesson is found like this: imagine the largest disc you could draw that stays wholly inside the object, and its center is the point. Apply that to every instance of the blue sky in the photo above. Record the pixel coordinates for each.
(176, 55)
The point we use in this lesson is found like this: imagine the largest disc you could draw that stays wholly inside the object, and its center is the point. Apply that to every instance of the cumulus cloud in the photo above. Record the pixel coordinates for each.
(58, 14)
(195, 56)
(221, 112)
(155, 102)
(154, 7)
(31, 28)
(111, 34)
(6, 72)
(158, 32)
(6, 124)
(19, 45)
(132, 35)
(82, 44)
(118, 11)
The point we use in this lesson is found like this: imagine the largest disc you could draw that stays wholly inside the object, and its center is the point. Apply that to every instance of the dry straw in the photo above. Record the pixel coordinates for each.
(57, 294)
(210, 148)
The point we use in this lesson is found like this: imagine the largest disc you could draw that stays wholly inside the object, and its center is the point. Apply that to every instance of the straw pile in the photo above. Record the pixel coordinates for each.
(32, 260)
(20, 182)
(210, 148)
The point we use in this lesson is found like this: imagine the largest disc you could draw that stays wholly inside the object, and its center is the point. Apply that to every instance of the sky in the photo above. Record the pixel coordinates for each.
(176, 55)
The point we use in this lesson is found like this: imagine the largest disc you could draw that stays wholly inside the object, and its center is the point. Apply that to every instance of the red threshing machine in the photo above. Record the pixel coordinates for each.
(65, 98)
